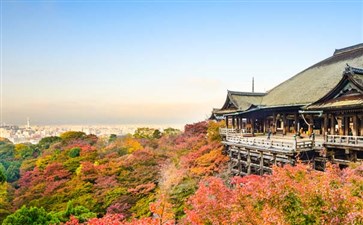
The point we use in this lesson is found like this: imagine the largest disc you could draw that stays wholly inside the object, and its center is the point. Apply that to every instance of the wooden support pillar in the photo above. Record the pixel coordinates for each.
(274, 122)
(355, 125)
(264, 125)
(332, 124)
(325, 126)
(261, 163)
(284, 121)
(290, 159)
(248, 162)
(274, 158)
(242, 125)
(311, 124)
(253, 126)
(239, 161)
(346, 125)
(360, 125)
(296, 118)
(353, 156)
(233, 122)
(230, 160)
(227, 121)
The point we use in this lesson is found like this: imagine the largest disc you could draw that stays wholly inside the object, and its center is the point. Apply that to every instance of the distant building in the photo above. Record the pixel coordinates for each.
(325, 99)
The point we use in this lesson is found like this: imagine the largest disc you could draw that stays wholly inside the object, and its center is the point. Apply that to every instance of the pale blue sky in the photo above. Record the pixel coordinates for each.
(96, 62)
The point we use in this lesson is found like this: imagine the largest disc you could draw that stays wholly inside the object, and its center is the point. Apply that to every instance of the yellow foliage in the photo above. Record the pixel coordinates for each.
(213, 130)
(44, 161)
(5, 205)
(79, 170)
(132, 144)
(72, 135)
(19, 148)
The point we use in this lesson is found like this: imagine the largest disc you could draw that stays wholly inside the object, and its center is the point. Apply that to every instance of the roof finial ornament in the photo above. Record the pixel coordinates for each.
(253, 84)
(348, 69)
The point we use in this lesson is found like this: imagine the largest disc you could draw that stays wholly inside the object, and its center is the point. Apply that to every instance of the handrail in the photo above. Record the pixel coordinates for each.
(235, 135)
(282, 145)
(224, 131)
(344, 140)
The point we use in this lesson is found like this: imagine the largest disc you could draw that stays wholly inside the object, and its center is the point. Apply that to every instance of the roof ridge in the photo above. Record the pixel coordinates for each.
(246, 93)
(343, 50)
(347, 49)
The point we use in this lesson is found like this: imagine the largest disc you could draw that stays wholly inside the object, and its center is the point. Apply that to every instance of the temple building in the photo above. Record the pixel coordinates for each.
(321, 108)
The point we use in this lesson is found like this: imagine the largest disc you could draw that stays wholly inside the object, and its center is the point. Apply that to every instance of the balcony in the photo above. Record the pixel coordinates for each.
(277, 144)
(341, 141)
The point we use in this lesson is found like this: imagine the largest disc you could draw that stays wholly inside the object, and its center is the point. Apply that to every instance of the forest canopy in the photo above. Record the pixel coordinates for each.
(168, 177)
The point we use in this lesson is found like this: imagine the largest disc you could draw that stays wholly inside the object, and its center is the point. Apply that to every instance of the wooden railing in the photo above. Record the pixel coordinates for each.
(293, 145)
(344, 140)
(225, 131)
(229, 131)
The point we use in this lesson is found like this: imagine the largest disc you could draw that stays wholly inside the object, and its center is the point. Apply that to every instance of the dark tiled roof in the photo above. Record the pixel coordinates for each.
(313, 83)
(355, 101)
(306, 87)
(347, 49)
(244, 100)
(239, 101)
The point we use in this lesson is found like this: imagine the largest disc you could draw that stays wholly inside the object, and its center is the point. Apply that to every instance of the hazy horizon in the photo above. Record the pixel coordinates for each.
(157, 62)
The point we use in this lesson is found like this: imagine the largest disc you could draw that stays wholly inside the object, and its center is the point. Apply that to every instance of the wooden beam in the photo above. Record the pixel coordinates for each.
(253, 126)
(274, 122)
(248, 162)
(274, 158)
(355, 125)
(265, 125)
(325, 126)
(332, 124)
(239, 160)
(296, 117)
(230, 159)
(284, 121)
(261, 163)
(346, 125)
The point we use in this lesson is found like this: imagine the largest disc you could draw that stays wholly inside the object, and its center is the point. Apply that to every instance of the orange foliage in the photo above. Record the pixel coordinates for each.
(291, 195)
(162, 210)
(132, 144)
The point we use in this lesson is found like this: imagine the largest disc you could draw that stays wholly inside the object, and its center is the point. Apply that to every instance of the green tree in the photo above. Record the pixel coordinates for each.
(30, 216)
(74, 152)
(2, 177)
(23, 151)
(171, 131)
(80, 212)
(45, 143)
(12, 172)
(72, 135)
(156, 134)
(112, 138)
(6, 151)
(144, 132)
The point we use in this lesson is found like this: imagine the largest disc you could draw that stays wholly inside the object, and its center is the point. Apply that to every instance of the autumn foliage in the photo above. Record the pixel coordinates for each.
(165, 178)
(141, 179)
(291, 195)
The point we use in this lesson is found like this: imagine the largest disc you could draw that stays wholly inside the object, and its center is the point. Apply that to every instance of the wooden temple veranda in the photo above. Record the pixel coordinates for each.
(316, 116)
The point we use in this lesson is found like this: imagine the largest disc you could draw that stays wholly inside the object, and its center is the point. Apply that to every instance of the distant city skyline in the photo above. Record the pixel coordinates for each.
(157, 62)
